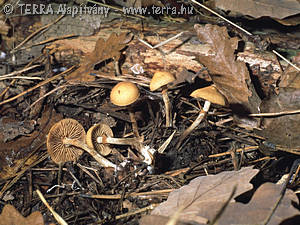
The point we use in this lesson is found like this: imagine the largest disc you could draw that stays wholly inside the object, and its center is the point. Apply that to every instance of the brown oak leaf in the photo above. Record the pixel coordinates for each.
(11, 216)
(229, 75)
(104, 50)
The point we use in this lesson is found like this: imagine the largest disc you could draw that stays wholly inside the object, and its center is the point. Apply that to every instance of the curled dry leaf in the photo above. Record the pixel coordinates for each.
(283, 130)
(11, 216)
(211, 189)
(260, 207)
(205, 196)
(14, 152)
(104, 50)
(229, 75)
(272, 8)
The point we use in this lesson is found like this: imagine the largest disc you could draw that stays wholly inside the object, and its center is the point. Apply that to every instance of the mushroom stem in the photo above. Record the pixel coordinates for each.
(198, 120)
(100, 159)
(134, 124)
(118, 141)
(167, 107)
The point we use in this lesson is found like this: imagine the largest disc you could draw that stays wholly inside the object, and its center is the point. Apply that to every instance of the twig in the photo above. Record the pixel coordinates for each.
(247, 32)
(10, 183)
(163, 147)
(55, 214)
(246, 149)
(161, 43)
(282, 193)
(13, 81)
(222, 17)
(50, 40)
(289, 112)
(286, 60)
(36, 86)
(19, 71)
(20, 77)
(138, 211)
(44, 96)
(118, 196)
(35, 33)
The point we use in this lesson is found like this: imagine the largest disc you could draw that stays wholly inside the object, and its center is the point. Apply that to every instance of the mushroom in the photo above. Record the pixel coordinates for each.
(101, 135)
(124, 94)
(211, 95)
(66, 140)
(99, 130)
(161, 80)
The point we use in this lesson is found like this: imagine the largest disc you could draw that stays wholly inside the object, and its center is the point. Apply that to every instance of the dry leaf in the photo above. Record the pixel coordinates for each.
(184, 75)
(214, 189)
(229, 75)
(104, 50)
(14, 152)
(290, 21)
(11, 216)
(205, 196)
(260, 207)
(158, 220)
(283, 130)
(258, 8)
(290, 78)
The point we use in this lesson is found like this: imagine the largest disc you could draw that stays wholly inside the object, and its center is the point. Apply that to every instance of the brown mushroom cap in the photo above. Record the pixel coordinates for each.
(210, 94)
(65, 129)
(160, 79)
(124, 93)
(99, 130)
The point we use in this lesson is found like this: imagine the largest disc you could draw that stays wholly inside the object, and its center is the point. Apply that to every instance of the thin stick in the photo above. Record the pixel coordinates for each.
(222, 17)
(119, 196)
(35, 33)
(285, 59)
(44, 96)
(36, 86)
(163, 147)
(20, 77)
(19, 71)
(289, 112)
(55, 214)
(161, 43)
(150, 207)
(247, 32)
(50, 40)
(246, 149)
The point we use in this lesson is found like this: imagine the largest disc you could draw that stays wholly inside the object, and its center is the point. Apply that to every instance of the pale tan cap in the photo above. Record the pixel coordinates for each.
(124, 93)
(160, 79)
(210, 94)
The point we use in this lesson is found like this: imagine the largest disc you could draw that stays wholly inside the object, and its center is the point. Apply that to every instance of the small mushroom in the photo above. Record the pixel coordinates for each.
(124, 94)
(160, 80)
(66, 140)
(211, 95)
(101, 135)
(99, 130)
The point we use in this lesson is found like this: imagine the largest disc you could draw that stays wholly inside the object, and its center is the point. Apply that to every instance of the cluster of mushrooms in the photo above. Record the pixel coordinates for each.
(67, 139)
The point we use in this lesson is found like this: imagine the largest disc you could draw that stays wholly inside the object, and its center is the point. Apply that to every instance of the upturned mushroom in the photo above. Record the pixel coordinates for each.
(66, 140)
(160, 80)
(211, 95)
(124, 94)
(101, 135)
